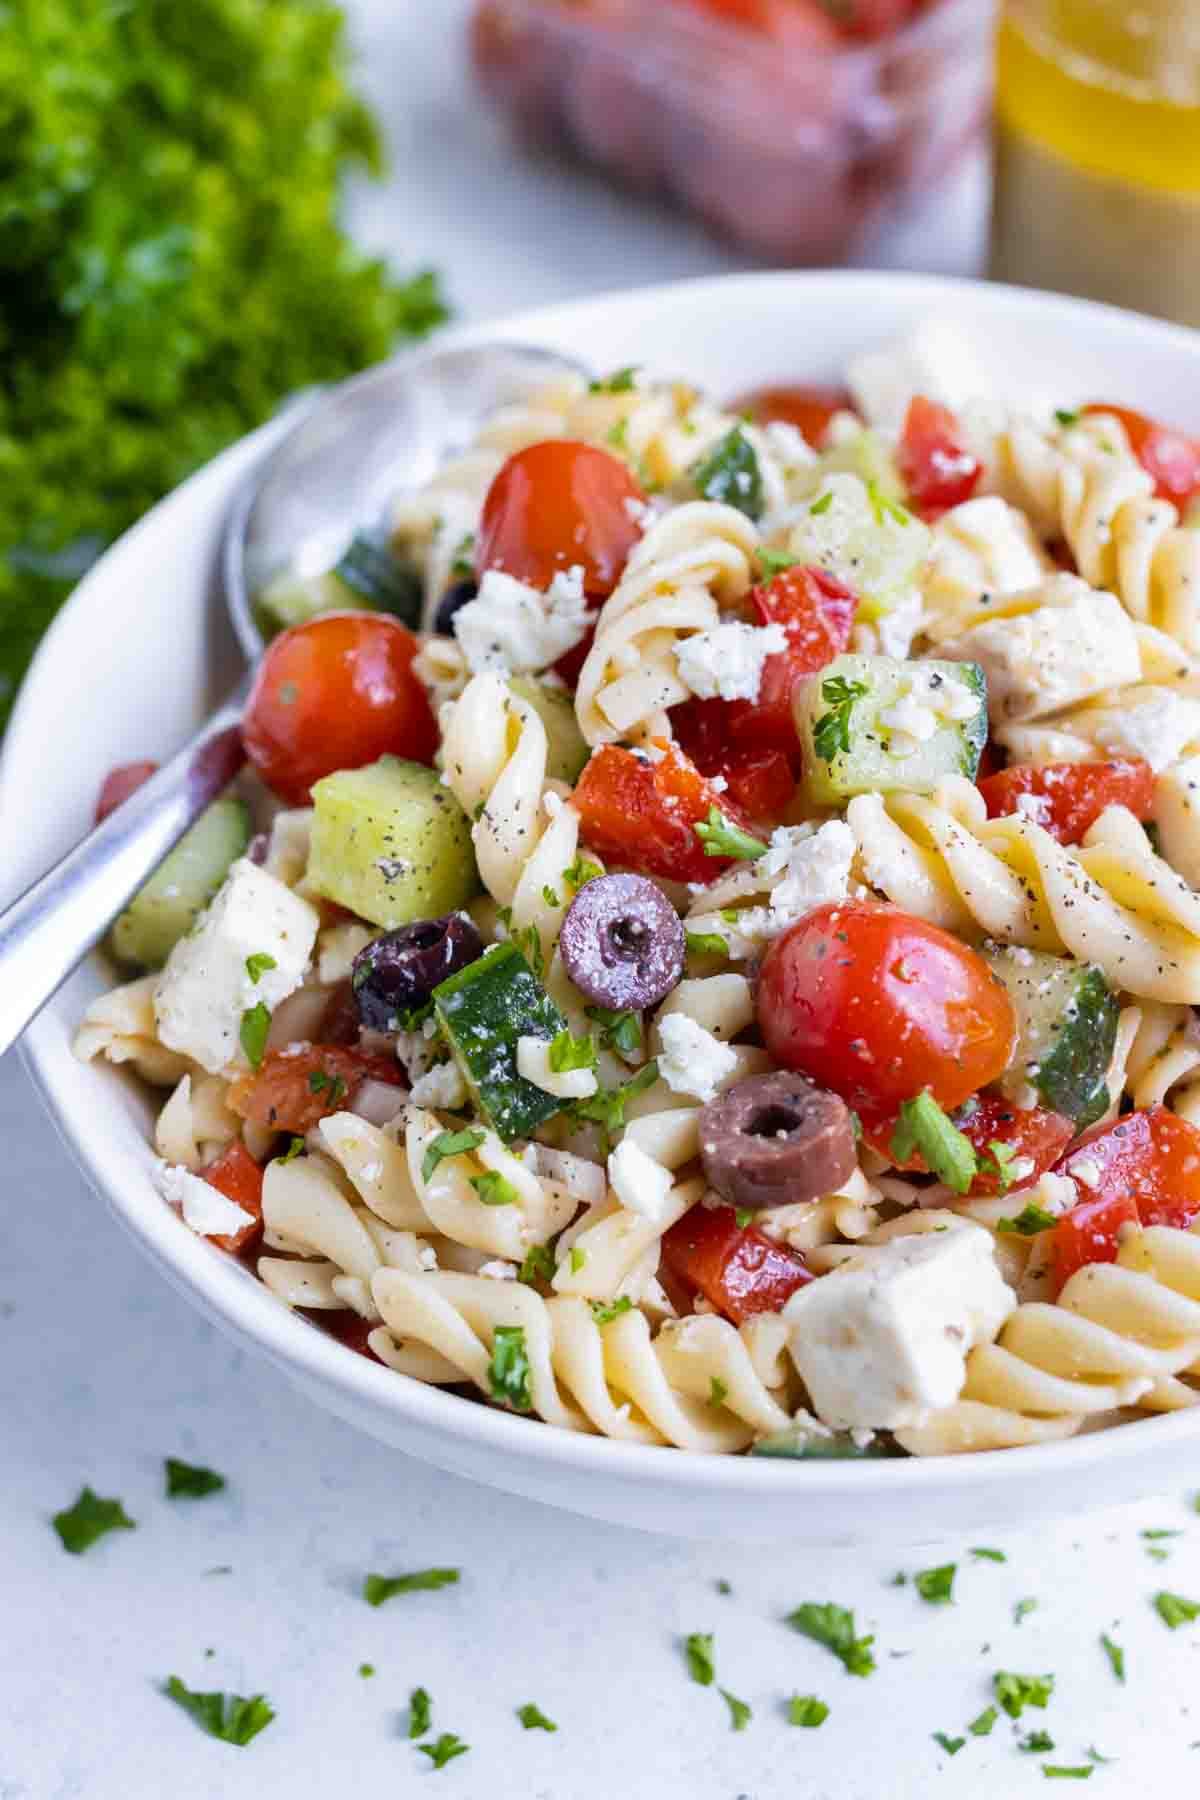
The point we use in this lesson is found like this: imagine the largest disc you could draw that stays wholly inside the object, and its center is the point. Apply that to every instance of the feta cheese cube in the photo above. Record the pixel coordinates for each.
(533, 1062)
(1152, 723)
(441, 1086)
(640, 1184)
(206, 985)
(205, 1208)
(1070, 643)
(692, 1061)
(514, 629)
(727, 662)
(883, 1338)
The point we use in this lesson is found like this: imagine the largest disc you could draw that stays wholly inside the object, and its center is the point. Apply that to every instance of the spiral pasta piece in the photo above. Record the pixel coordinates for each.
(979, 551)
(122, 1027)
(689, 564)
(1163, 1064)
(454, 1208)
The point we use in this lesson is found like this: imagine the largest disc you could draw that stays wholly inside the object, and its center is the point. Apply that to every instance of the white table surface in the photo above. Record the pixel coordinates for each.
(104, 1370)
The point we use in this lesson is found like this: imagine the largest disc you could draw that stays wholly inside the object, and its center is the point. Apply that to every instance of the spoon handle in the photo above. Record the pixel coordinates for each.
(53, 925)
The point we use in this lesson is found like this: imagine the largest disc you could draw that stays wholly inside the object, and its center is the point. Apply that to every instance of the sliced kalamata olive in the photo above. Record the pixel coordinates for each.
(776, 1140)
(400, 970)
(622, 943)
(448, 605)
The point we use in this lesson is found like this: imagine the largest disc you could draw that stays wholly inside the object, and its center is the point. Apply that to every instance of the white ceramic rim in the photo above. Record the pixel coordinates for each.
(246, 1307)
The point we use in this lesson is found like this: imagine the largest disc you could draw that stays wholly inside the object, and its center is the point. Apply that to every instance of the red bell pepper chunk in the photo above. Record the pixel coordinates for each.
(816, 613)
(761, 782)
(641, 813)
(738, 1269)
(119, 783)
(293, 1092)
(1032, 1135)
(936, 461)
(1143, 1169)
(1170, 456)
(1071, 796)
(236, 1175)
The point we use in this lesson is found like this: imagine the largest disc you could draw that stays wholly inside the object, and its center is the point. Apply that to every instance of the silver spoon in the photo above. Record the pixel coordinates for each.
(334, 471)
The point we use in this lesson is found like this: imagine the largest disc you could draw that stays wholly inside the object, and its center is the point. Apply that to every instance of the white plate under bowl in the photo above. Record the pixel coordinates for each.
(142, 648)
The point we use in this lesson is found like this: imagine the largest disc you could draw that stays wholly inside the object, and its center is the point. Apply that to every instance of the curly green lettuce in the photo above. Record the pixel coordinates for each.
(171, 261)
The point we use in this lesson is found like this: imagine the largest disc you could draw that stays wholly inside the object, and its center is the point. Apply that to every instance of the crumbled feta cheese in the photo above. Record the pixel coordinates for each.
(640, 1183)
(1034, 807)
(1157, 728)
(533, 1062)
(1055, 1194)
(427, 1257)
(1073, 645)
(441, 1086)
(205, 1208)
(511, 627)
(910, 724)
(727, 662)
(897, 629)
(815, 866)
(416, 1053)
(498, 1271)
(206, 986)
(692, 1060)
(883, 1338)
(1087, 1170)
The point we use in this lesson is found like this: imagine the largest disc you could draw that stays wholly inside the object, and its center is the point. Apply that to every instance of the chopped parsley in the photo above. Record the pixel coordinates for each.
(619, 1031)
(80, 1525)
(231, 1717)
(884, 507)
(1066, 416)
(740, 1714)
(936, 1585)
(831, 733)
(720, 837)
(420, 1712)
(718, 1393)
(1174, 1610)
(982, 1726)
(534, 1719)
(1016, 1692)
(508, 1370)
(550, 897)
(1115, 1655)
(1065, 1772)
(1160, 1533)
(187, 1481)
(724, 1587)
(730, 474)
(706, 943)
(807, 1710)
(605, 1311)
(774, 562)
(621, 381)
(366, 1670)
(698, 1652)
(444, 1750)
(999, 1163)
(821, 505)
(1035, 1742)
(1028, 1222)
(987, 1554)
(332, 1086)
(947, 1153)
(618, 435)
(296, 1147)
(833, 1626)
(378, 1588)
(567, 1052)
(449, 1143)
(537, 1266)
(581, 871)
(256, 1023)
(258, 964)
(494, 1189)
(607, 1107)
(951, 1745)
(577, 1259)
(1023, 1608)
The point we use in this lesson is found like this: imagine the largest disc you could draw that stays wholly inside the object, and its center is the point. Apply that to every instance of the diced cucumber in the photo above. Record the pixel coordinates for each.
(166, 908)
(292, 599)
(369, 574)
(391, 843)
(566, 750)
(798, 1442)
(1066, 1030)
(864, 453)
(864, 538)
(484, 1011)
(855, 742)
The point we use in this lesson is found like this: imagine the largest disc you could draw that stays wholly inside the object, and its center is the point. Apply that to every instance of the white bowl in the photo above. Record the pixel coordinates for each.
(143, 648)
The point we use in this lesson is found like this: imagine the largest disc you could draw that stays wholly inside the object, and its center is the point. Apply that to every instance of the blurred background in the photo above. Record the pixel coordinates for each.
(206, 207)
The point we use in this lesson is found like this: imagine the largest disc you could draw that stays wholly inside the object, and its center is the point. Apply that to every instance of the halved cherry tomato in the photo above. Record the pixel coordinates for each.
(641, 813)
(872, 19)
(1143, 1169)
(937, 464)
(760, 782)
(1071, 796)
(293, 1091)
(879, 1006)
(348, 1328)
(816, 613)
(236, 1175)
(558, 505)
(119, 783)
(336, 693)
(1034, 1139)
(1170, 456)
(808, 408)
(793, 21)
(739, 1270)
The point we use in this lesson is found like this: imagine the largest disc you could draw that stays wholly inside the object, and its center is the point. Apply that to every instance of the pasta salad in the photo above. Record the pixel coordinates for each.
(706, 949)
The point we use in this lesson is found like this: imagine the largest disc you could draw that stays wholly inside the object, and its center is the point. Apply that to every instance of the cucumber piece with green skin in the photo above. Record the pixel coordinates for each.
(567, 751)
(864, 453)
(1066, 1030)
(864, 538)
(848, 749)
(167, 907)
(368, 575)
(484, 1011)
(391, 843)
(800, 1443)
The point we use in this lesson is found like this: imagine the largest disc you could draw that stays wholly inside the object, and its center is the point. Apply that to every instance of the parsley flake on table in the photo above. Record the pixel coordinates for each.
(740, 1714)
(534, 1719)
(378, 1588)
(988, 1555)
(1174, 1610)
(366, 1670)
(1016, 1692)
(80, 1525)
(1067, 1772)
(698, 1652)
(982, 1726)
(509, 1370)
(1115, 1655)
(188, 1481)
(233, 1718)
(807, 1710)
(444, 1750)
(1023, 1608)
(833, 1626)
(951, 1745)
(936, 1586)
(420, 1712)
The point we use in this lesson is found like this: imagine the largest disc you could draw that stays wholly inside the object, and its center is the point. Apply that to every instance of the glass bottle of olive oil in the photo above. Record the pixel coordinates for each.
(1098, 151)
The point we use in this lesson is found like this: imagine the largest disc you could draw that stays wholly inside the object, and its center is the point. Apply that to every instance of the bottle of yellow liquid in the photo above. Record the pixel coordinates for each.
(1098, 151)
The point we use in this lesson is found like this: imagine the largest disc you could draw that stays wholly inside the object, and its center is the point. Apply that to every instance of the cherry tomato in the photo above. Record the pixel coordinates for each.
(792, 21)
(640, 814)
(936, 462)
(760, 782)
(1071, 796)
(558, 505)
(293, 1092)
(1142, 1169)
(879, 1006)
(119, 783)
(236, 1175)
(1031, 1141)
(348, 1328)
(1170, 456)
(816, 613)
(808, 407)
(336, 693)
(739, 1270)
(869, 20)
